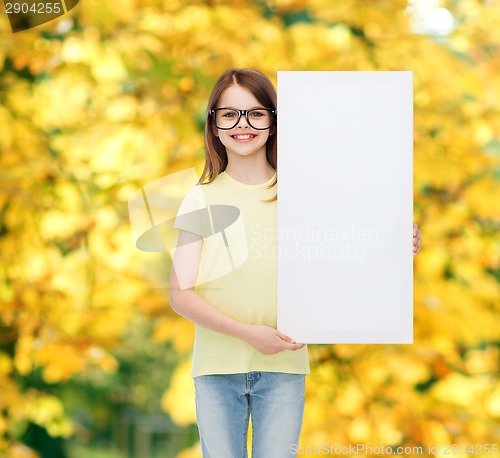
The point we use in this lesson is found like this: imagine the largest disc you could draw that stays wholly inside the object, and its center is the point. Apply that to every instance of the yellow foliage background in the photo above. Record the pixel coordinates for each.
(112, 96)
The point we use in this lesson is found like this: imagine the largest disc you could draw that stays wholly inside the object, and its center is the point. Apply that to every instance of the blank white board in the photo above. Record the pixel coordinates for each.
(345, 206)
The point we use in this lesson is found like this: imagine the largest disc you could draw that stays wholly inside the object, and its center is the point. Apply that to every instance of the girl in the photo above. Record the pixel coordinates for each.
(241, 364)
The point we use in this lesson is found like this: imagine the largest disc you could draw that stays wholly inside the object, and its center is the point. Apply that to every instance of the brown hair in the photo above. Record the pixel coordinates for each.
(215, 152)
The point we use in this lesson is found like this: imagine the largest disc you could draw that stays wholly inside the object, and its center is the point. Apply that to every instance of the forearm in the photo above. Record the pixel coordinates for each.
(190, 305)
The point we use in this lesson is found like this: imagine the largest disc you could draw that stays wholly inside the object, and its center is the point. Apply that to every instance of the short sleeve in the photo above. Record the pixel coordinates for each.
(193, 213)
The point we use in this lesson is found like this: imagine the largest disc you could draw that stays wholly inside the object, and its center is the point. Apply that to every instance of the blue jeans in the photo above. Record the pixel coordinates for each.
(224, 403)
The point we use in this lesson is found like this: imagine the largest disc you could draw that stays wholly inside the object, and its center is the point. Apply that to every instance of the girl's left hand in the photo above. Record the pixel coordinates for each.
(416, 239)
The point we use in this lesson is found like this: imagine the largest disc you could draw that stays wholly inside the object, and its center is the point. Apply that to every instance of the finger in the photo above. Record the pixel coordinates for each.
(294, 346)
(285, 338)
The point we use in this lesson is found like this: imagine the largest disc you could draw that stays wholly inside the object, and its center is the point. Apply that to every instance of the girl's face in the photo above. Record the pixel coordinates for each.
(241, 140)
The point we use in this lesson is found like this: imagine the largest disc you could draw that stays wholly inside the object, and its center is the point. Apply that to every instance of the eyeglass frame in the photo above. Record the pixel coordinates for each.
(242, 113)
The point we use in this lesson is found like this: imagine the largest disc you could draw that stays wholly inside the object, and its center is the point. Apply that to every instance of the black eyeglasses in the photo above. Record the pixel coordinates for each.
(258, 118)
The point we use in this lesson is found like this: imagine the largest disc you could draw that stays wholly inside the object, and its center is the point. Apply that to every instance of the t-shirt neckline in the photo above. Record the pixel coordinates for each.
(260, 185)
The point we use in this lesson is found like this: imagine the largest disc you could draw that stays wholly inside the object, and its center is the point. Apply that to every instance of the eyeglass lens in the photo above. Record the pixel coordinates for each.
(258, 119)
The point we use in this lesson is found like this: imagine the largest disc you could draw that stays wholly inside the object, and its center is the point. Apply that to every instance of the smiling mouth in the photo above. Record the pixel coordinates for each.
(243, 137)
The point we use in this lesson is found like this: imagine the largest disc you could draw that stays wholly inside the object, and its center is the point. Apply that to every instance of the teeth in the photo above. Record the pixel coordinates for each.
(243, 137)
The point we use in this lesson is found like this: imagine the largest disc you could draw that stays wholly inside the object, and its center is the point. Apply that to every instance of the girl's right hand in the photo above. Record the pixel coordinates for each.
(268, 340)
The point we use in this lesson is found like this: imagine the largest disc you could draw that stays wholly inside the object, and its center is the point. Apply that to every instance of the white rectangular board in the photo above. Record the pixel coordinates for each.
(345, 206)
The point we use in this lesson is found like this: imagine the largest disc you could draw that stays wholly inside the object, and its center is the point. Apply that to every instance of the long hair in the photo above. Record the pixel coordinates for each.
(215, 152)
